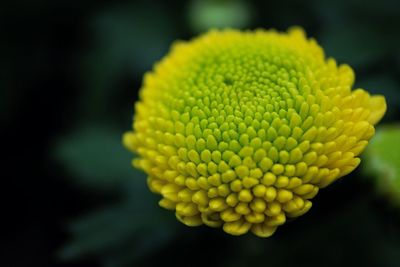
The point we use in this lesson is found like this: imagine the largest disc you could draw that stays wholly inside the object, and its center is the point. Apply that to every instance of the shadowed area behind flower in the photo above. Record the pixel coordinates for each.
(69, 95)
(133, 229)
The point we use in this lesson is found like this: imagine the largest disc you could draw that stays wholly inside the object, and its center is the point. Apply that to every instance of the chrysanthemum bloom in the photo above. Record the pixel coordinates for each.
(240, 130)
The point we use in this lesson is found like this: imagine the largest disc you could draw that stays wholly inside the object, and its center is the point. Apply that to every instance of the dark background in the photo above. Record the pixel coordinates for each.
(70, 73)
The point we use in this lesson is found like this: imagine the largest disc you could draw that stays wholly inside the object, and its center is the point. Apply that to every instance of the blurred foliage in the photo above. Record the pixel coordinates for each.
(125, 40)
(359, 33)
(122, 232)
(347, 224)
(95, 157)
(203, 15)
(356, 45)
(383, 162)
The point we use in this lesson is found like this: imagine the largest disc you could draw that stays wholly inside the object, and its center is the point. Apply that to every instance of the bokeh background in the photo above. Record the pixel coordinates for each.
(70, 73)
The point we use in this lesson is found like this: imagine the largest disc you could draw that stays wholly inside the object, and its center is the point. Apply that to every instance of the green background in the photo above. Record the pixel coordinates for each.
(70, 73)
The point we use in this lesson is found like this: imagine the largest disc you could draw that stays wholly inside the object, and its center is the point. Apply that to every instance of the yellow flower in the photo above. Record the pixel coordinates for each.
(241, 129)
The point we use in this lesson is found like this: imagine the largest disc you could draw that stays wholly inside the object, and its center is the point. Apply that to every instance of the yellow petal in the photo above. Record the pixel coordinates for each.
(377, 106)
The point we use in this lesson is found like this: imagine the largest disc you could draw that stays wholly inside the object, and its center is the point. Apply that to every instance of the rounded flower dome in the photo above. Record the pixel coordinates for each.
(240, 130)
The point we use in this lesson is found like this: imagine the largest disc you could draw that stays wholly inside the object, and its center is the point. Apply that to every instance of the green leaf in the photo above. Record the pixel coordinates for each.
(95, 157)
(383, 161)
(203, 15)
(121, 233)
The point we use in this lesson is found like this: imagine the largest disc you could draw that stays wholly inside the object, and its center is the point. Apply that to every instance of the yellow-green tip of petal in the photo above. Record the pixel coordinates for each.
(240, 129)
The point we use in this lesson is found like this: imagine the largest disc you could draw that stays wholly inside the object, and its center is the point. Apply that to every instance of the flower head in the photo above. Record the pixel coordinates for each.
(240, 130)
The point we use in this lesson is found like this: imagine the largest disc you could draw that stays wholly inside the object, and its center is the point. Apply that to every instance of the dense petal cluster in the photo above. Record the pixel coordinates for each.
(241, 129)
